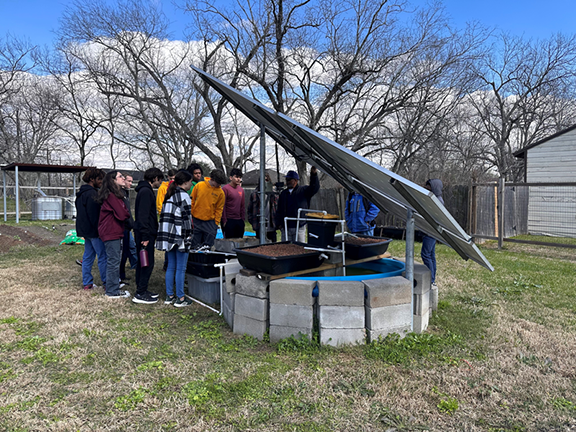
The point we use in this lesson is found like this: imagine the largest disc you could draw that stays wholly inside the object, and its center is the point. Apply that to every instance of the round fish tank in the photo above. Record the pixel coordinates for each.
(382, 268)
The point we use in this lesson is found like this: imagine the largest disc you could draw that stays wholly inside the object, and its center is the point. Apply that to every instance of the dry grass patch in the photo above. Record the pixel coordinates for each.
(499, 356)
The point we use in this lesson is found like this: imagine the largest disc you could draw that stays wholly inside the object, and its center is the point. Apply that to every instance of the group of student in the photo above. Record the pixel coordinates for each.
(183, 215)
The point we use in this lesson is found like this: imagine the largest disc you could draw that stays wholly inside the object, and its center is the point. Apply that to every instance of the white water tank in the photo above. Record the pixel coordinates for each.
(46, 208)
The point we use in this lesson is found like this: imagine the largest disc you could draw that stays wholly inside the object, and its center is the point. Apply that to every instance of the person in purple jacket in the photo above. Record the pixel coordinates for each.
(113, 217)
(234, 211)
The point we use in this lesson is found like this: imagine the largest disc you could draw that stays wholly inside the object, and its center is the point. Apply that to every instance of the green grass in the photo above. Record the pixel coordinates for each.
(498, 356)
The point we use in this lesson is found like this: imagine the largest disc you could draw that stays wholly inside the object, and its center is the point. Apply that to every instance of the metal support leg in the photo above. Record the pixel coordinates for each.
(17, 196)
(262, 185)
(5, 209)
(410, 260)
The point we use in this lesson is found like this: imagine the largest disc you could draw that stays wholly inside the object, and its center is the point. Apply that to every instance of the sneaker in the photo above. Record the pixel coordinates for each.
(434, 286)
(79, 262)
(144, 299)
(182, 303)
(122, 285)
(89, 287)
(120, 294)
(170, 299)
(151, 294)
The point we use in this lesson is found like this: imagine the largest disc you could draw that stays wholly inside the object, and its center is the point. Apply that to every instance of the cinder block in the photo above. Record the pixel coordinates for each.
(291, 315)
(421, 304)
(389, 317)
(251, 307)
(338, 317)
(433, 298)
(373, 335)
(278, 333)
(251, 286)
(230, 271)
(228, 299)
(337, 337)
(422, 278)
(249, 326)
(292, 292)
(228, 315)
(387, 291)
(336, 293)
(421, 322)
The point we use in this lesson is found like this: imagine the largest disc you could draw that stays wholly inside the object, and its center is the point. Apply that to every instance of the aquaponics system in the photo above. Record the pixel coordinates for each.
(348, 286)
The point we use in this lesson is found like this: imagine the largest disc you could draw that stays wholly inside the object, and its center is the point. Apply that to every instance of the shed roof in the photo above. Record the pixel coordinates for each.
(520, 153)
(29, 167)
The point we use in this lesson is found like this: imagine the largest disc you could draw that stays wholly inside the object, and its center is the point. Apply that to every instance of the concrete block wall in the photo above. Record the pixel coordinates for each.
(250, 306)
(291, 308)
(388, 306)
(422, 297)
(229, 292)
(341, 314)
(286, 307)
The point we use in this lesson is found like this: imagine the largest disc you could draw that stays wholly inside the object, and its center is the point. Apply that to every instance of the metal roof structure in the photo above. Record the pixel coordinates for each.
(28, 167)
(389, 191)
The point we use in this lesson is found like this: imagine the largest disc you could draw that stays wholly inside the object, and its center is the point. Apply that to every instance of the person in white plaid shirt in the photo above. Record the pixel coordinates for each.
(175, 235)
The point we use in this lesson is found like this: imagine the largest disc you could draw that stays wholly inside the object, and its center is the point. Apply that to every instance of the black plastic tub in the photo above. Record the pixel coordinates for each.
(356, 252)
(277, 265)
(201, 264)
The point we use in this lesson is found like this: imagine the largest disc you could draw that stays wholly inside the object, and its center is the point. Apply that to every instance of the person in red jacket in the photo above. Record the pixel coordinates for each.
(113, 217)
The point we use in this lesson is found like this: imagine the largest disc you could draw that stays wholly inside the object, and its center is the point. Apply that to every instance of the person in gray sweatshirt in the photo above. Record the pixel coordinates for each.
(428, 252)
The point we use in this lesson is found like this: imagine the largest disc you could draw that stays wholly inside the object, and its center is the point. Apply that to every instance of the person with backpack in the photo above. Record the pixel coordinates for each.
(114, 219)
(175, 236)
(360, 214)
(87, 217)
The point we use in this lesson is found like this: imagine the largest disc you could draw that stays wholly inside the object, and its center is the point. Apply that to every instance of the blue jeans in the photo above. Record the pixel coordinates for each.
(93, 247)
(113, 253)
(428, 254)
(176, 271)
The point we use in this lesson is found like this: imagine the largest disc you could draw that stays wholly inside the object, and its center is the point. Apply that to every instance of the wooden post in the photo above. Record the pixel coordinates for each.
(501, 192)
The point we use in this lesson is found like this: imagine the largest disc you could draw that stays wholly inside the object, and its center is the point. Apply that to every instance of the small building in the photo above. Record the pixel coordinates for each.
(551, 209)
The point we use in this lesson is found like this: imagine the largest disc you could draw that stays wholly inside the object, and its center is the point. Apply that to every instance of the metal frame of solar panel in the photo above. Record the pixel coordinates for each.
(389, 191)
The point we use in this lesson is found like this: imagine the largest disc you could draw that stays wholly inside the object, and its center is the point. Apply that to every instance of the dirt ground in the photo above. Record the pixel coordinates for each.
(45, 235)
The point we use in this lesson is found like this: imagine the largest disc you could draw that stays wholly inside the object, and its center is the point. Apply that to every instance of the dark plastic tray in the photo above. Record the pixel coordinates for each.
(356, 252)
(277, 265)
(202, 264)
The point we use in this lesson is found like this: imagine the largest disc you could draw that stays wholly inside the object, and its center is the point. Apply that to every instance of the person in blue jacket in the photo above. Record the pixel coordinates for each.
(360, 214)
(428, 252)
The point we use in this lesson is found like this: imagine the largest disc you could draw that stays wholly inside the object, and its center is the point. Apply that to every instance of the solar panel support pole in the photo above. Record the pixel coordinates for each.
(410, 259)
(262, 190)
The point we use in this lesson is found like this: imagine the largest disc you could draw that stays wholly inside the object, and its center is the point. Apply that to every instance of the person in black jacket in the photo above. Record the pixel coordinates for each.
(87, 216)
(291, 199)
(145, 232)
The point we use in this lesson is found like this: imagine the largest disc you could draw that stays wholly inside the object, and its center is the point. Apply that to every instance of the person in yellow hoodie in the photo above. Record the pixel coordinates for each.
(207, 206)
(162, 190)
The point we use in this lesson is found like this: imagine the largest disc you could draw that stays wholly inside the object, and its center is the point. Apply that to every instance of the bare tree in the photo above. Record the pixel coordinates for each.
(516, 104)
(125, 51)
(346, 69)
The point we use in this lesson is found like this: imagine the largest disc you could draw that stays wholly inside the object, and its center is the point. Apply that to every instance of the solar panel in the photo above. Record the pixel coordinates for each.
(388, 191)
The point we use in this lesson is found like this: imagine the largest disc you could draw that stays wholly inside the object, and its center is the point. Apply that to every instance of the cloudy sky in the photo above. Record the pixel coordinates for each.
(37, 19)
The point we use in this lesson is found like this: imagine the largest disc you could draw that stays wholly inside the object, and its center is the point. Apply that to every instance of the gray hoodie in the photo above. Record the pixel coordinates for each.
(436, 187)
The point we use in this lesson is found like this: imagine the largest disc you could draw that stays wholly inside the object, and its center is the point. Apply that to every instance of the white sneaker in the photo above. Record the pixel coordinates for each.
(121, 294)
(434, 286)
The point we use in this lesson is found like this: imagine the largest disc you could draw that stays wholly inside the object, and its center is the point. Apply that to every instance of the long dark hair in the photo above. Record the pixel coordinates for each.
(180, 178)
(109, 186)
